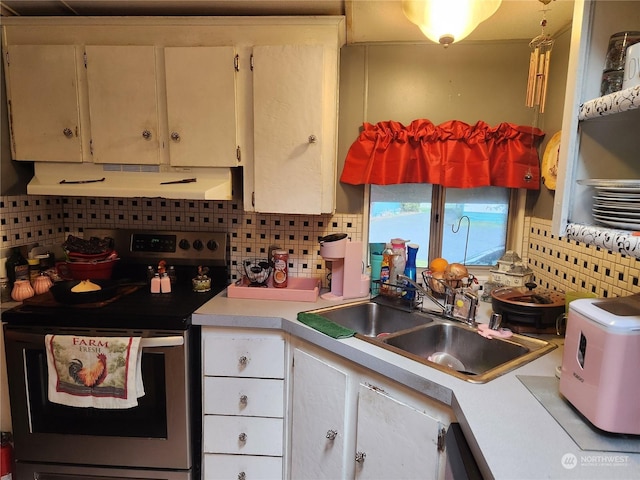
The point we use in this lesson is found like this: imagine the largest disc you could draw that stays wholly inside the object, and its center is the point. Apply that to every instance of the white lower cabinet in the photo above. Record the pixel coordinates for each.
(243, 404)
(318, 418)
(348, 422)
(394, 439)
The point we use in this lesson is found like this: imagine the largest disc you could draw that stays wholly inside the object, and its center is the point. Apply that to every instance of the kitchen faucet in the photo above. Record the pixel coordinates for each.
(448, 305)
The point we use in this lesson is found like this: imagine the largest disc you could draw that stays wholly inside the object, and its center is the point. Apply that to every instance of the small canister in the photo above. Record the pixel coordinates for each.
(280, 268)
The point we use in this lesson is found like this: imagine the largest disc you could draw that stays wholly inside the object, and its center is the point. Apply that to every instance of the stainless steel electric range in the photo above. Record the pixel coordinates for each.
(161, 437)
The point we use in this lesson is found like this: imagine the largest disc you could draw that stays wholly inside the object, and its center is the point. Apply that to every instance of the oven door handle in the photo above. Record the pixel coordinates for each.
(145, 342)
(152, 342)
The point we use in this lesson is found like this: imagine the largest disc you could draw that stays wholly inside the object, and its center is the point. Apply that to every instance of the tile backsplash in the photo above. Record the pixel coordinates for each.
(557, 262)
(250, 234)
(568, 265)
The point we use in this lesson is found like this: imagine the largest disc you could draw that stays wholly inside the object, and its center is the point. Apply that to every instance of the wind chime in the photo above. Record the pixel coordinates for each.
(541, 47)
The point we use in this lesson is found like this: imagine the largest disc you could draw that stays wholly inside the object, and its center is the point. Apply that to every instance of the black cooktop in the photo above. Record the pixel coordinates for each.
(138, 310)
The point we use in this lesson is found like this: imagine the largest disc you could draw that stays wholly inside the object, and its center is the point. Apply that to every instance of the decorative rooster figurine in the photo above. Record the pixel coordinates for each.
(90, 377)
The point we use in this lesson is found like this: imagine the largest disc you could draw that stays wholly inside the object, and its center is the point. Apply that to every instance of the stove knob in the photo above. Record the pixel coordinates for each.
(197, 244)
(184, 244)
(212, 245)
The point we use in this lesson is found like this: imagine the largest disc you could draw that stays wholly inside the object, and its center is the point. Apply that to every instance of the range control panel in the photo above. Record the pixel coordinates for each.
(186, 248)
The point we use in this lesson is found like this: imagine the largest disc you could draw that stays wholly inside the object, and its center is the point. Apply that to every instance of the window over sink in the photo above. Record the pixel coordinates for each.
(436, 218)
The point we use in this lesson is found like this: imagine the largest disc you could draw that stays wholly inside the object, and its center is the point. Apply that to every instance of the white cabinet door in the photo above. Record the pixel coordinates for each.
(42, 87)
(201, 106)
(394, 440)
(123, 104)
(318, 418)
(288, 131)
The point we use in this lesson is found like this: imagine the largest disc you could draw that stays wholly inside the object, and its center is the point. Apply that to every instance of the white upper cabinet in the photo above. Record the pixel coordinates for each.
(123, 104)
(288, 128)
(179, 97)
(42, 87)
(201, 106)
(600, 138)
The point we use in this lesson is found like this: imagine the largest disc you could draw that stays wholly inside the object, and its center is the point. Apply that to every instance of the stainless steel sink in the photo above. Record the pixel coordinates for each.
(459, 350)
(370, 319)
(449, 346)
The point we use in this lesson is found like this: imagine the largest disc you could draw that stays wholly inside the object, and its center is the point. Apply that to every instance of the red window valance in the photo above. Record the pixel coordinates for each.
(452, 154)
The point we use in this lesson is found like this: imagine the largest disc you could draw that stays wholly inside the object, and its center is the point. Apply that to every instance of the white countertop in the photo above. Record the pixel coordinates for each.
(511, 433)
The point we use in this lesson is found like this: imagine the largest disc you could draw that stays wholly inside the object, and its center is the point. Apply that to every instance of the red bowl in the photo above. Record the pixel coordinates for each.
(88, 257)
(86, 270)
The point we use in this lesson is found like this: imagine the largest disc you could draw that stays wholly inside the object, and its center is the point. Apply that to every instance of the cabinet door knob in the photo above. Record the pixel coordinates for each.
(243, 400)
(146, 134)
(242, 437)
(332, 434)
(313, 139)
(242, 476)
(243, 361)
(175, 136)
(67, 132)
(360, 456)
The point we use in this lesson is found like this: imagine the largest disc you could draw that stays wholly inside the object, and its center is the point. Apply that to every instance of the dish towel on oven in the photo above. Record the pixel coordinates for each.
(99, 372)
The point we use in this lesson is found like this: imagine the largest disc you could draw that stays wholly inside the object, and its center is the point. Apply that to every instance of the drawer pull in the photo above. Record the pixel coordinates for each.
(360, 456)
(332, 434)
(243, 361)
(242, 437)
(243, 400)
(242, 476)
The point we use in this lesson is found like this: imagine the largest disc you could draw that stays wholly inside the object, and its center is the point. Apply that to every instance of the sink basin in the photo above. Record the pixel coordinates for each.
(447, 345)
(458, 350)
(370, 319)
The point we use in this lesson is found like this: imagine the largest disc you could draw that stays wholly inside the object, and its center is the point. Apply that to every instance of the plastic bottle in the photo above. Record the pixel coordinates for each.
(399, 262)
(385, 270)
(410, 268)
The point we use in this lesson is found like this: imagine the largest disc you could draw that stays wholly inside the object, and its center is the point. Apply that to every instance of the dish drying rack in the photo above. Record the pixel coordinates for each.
(407, 297)
(399, 295)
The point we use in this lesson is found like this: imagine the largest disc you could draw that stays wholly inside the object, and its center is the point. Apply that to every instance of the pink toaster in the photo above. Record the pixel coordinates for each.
(601, 362)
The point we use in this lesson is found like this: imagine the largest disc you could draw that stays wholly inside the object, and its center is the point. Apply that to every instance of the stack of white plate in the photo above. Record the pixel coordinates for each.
(616, 203)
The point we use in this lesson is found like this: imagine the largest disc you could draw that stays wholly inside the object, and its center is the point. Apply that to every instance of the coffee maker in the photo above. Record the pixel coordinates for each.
(347, 279)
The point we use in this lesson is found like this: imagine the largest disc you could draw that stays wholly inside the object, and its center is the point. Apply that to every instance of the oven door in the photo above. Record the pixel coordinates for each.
(155, 434)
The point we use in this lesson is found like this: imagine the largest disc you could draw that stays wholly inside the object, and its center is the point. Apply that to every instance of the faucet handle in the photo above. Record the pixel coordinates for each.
(495, 321)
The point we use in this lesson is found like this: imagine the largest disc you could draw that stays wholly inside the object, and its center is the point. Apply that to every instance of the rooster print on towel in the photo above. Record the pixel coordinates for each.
(89, 377)
(98, 367)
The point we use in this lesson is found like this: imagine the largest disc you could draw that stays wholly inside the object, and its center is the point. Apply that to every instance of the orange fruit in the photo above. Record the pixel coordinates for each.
(438, 265)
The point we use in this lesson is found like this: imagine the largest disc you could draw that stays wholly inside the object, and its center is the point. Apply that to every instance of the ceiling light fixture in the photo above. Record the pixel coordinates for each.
(448, 21)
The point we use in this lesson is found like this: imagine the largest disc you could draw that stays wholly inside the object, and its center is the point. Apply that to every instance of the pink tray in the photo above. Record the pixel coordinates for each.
(298, 290)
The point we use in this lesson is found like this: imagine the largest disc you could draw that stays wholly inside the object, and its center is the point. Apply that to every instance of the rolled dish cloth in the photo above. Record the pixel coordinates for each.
(324, 325)
(99, 372)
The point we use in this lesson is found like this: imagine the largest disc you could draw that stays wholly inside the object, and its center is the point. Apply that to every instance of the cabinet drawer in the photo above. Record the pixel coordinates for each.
(243, 435)
(257, 356)
(225, 467)
(251, 397)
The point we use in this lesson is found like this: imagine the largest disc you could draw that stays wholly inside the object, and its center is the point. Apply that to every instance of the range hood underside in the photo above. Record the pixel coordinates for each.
(209, 184)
